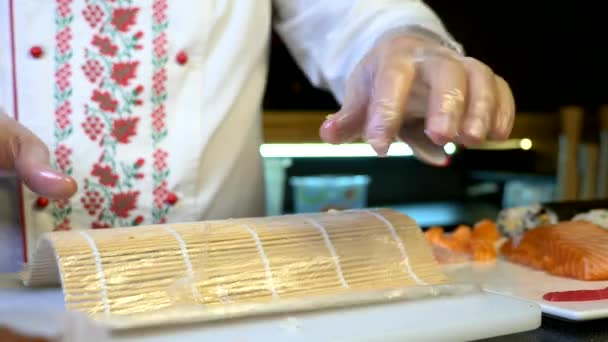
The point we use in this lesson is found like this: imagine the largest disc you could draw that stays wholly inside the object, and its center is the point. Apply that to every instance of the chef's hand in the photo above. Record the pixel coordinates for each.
(24, 154)
(414, 89)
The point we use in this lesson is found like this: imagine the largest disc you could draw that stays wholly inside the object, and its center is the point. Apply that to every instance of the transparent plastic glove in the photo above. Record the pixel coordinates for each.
(413, 89)
(23, 154)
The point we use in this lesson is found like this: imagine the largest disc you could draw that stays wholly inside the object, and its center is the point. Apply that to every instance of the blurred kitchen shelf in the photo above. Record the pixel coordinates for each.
(497, 176)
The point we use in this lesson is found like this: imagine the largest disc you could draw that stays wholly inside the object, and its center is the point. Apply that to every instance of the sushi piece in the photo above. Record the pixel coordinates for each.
(513, 222)
(596, 216)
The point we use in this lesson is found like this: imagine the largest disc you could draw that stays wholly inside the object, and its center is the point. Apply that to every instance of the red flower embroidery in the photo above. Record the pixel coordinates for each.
(123, 73)
(93, 127)
(105, 100)
(64, 7)
(100, 225)
(158, 118)
(93, 14)
(62, 77)
(160, 44)
(92, 70)
(159, 10)
(160, 159)
(159, 79)
(63, 39)
(106, 176)
(92, 202)
(65, 225)
(62, 115)
(62, 204)
(139, 163)
(105, 45)
(123, 203)
(124, 129)
(124, 18)
(64, 110)
(62, 157)
(160, 194)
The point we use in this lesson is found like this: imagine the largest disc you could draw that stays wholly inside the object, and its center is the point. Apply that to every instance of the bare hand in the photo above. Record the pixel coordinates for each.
(24, 154)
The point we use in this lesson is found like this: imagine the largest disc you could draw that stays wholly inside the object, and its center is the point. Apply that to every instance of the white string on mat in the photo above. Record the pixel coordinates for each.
(400, 246)
(100, 273)
(184, 249)
(332, 250)
(265, 261)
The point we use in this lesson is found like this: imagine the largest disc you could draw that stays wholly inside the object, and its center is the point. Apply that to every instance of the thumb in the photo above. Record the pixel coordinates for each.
(348, 123)
(422, 146)
(23, 153)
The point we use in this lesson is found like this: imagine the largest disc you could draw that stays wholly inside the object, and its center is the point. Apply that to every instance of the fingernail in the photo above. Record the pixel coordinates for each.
(447, 161)
(436, 138)
(327, 124)
(503, 126)
(380, 146)
(440, 161)
(55, 185)
(51, 175)
(476, 128)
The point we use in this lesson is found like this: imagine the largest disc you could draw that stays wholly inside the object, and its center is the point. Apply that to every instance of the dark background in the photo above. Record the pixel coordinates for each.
(552, 53)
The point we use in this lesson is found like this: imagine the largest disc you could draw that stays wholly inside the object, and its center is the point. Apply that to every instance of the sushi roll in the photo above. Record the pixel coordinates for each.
(596, 216)
(513, 222)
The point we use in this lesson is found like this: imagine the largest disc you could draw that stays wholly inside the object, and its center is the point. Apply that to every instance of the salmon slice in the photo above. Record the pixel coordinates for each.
(434, 234)
(483, 251)
(570, 249)
(486, 230)
(465, 243)
(462, 234)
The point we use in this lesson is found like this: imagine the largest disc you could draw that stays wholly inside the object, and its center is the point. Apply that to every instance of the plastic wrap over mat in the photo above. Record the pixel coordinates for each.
(231, 268)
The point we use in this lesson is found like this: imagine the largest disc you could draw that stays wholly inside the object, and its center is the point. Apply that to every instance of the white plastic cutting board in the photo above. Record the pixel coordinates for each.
(525, 283)
(465, 318)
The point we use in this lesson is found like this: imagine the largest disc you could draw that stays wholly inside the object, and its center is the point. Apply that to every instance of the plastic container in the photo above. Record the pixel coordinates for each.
(325, 192)
(521, 193)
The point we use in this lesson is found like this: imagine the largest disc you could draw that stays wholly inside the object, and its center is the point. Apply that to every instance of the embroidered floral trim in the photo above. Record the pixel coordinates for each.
(160, 58)
(61, 210)
(110, 193)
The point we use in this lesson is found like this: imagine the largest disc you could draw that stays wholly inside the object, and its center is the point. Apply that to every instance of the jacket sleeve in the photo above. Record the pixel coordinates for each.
(328, 38)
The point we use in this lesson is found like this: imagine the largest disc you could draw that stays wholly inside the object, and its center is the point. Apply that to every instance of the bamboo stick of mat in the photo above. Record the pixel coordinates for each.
(210, 264)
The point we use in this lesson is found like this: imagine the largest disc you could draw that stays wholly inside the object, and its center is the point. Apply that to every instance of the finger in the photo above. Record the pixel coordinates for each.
(391, 89)
(422, 147)
(347, 124)
(481, 103)
(505, 113)
(33, 168)
(448, 82)
(26, 155)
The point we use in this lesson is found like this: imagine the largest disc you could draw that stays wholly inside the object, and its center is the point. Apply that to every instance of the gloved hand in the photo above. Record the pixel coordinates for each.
(24, 154)
(412, 88)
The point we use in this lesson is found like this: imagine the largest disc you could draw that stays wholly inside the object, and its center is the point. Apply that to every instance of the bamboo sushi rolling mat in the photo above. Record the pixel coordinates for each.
(122, 272)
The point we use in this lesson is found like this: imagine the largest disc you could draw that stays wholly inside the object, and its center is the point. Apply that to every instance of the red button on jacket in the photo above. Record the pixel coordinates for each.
(42, 202)
(36, 51)
(182, 58)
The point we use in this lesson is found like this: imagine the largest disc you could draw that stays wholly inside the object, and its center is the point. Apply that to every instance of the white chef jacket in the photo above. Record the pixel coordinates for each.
(154, 106)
